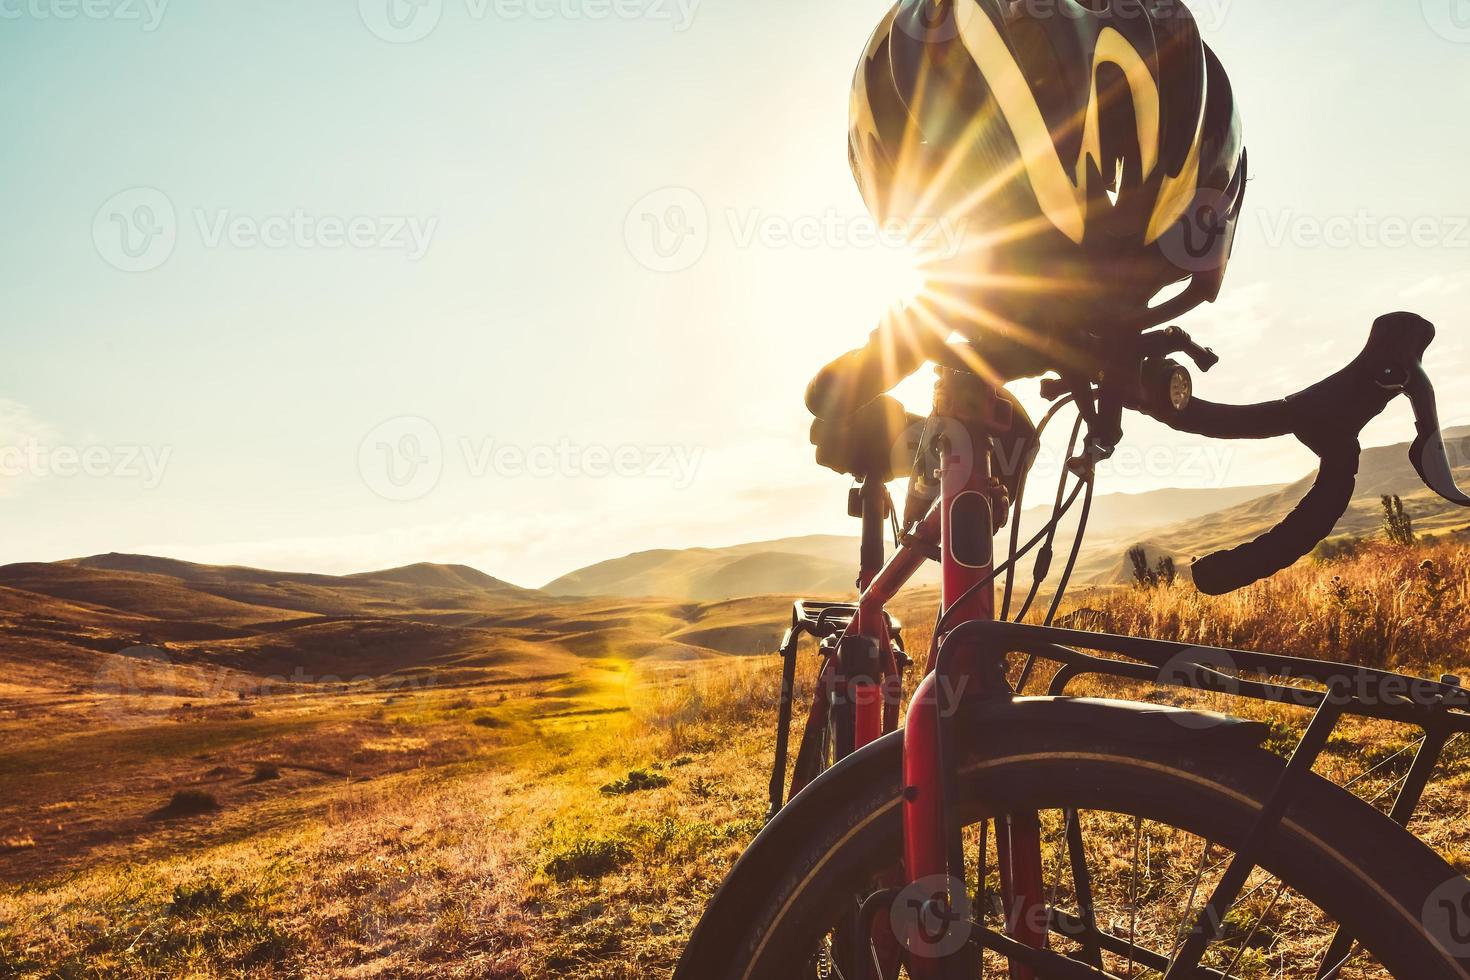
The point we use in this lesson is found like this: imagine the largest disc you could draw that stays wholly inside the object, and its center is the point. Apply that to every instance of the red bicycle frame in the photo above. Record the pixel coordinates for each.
(968, 411)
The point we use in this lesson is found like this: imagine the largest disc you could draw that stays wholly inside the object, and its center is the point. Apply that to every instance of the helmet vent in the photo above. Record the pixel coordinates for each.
(1170, 292)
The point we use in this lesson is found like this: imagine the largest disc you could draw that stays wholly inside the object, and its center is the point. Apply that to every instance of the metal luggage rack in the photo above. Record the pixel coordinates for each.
(825, 622)
(1441, 709)
(819, 619)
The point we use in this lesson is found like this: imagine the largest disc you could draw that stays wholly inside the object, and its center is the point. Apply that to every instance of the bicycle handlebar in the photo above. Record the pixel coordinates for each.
(1326, 418)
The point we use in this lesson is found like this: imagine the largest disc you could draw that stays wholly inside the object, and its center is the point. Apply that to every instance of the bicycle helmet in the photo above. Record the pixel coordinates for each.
(1089, 151)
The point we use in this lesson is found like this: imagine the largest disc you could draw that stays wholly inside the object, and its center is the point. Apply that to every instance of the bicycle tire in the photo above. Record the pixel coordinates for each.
(818, 749)
(1367, 873)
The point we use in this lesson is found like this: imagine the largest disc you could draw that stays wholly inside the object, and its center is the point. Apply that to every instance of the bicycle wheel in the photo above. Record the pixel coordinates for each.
(821, 749)
(1160, 812)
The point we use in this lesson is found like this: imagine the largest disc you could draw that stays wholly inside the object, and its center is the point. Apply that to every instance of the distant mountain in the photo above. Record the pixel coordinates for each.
(166, 588)
(431, 576)
(71, 626)
(1155, 508)
(1180, 523)
(818, 563)
(827, 564)
(1382, 470)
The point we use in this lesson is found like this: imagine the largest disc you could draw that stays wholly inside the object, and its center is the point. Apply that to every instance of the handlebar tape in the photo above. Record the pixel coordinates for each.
(1298, 533)
(1315, 515)
(1326, 418)
(1214, 421)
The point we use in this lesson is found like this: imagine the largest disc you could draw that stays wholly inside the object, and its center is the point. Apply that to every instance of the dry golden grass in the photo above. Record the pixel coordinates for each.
(478, 835)
(1401, 608)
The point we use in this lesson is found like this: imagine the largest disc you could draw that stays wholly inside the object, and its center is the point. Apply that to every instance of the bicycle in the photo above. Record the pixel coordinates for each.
(880, 863)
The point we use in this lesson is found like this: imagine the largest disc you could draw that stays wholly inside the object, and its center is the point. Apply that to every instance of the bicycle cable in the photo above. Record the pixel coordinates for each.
(943, 616)
(1043, 557)
(1034, 444)
(1056, 600)
(892, 518)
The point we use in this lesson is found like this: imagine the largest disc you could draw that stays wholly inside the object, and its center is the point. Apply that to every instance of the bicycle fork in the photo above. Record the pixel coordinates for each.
(935, 910)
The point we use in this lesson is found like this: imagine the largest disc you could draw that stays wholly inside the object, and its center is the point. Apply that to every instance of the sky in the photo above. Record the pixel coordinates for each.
(528, 284)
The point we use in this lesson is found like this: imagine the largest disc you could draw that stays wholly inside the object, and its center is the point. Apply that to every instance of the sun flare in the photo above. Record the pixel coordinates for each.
(895, 277)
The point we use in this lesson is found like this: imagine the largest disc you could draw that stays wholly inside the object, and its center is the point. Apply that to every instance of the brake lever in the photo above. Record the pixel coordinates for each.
(1173, 340)
(1326, 418)
(1427, 452)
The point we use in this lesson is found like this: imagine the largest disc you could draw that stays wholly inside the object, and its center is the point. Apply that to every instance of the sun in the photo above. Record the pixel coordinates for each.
(893, 275)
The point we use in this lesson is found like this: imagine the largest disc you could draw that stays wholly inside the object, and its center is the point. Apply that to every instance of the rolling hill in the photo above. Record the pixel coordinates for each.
(1382, 470)
(826, 564)
(1179, 523)
(818, 563)
(64, 625)
(63, 622)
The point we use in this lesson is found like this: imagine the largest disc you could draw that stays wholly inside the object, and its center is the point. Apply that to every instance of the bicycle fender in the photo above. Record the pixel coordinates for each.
(1132, 720)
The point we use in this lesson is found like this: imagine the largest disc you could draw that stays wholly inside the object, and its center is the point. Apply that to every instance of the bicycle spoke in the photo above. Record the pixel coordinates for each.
(1133, 896)
(1337, 967)
(981, 890)
(1179, 925)
(1364, 775)
(1387, 789)
(1240, 950)
(1340, 949)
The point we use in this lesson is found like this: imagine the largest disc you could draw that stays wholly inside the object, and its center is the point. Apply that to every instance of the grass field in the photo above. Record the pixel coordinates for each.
(569, 826)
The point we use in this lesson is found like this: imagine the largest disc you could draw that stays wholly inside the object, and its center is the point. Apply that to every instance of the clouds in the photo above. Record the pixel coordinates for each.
(18, 424)
(19, 428)
(1436, 285)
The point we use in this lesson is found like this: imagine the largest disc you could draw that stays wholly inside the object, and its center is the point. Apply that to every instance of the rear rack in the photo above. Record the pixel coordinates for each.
(1441, 709)
(826, 622)
(1361, 691)
(821, 619)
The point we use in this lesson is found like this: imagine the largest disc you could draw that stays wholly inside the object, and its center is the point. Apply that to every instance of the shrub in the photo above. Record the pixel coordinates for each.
(186, 803)
(1398, 527)
(636, 780)
(1336, 549)
(197, 897)
(266, 771)
(1162, 573)
(589, 857)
